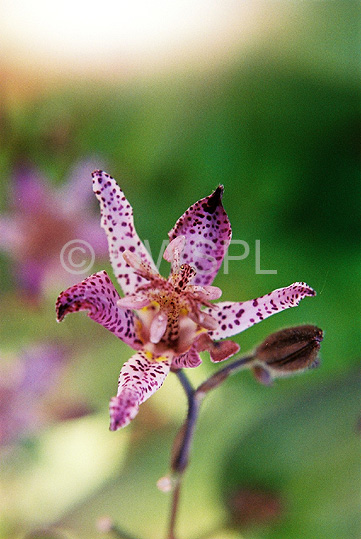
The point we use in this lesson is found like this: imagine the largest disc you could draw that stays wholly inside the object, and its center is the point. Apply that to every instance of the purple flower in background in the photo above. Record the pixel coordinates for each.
(28, 384)
(167, 321)
(42, 220)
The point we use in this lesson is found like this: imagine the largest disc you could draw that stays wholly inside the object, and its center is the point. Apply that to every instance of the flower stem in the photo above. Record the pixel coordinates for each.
(217, 378)
(187, 386)
(183, 441)
(181, 447)
(174, 511)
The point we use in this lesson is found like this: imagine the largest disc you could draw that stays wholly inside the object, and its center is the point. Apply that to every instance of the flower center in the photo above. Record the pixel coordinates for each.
(169, 310)
(181, 278)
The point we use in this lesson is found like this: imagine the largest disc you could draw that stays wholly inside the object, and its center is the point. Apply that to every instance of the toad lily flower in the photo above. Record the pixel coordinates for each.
(167, 321)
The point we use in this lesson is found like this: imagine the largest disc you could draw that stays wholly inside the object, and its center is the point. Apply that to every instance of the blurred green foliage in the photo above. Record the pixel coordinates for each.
(280, 128)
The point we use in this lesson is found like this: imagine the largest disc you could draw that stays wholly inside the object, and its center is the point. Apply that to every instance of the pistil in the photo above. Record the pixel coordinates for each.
(170, 303)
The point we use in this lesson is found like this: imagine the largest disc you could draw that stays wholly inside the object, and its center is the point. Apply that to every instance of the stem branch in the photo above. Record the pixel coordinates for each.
(217, 378)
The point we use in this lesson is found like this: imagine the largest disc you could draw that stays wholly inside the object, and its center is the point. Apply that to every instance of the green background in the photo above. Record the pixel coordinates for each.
(279, 127)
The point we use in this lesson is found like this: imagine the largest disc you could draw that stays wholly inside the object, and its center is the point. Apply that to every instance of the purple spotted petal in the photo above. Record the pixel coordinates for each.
(219, 351)
(139, 378)
(235, 317)
(188, 360)
(123, 408)
(117, 221)
(208, 233)
(97, 295)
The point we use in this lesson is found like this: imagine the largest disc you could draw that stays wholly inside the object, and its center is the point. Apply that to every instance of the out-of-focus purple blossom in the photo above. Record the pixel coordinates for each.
(27, 384)
(42, 219)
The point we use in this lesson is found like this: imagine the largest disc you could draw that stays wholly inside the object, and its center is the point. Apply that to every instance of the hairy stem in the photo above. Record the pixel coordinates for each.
(183, 441)
(181, 448)
(222, 374)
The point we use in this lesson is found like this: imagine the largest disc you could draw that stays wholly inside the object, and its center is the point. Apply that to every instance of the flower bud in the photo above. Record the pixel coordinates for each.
(286, 352)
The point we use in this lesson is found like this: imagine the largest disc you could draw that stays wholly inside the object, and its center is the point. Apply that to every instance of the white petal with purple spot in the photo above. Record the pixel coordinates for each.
(117, 221)
(139, 378)
(234, 317)
(97, 295)
(208, 233)
(188, 360)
